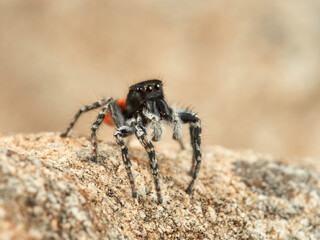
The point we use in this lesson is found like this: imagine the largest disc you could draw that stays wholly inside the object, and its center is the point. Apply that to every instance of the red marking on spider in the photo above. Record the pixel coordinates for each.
(108, 119)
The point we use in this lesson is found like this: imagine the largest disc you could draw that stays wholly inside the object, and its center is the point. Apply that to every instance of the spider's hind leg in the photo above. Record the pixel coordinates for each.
(83, 110)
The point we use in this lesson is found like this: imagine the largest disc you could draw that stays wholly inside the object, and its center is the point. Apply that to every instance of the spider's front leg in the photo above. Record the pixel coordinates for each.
(120, 133)
(146, 143)
(195, 136)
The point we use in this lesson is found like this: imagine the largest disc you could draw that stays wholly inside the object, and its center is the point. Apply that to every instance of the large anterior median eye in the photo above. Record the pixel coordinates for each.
(148, 88)
(157, 86)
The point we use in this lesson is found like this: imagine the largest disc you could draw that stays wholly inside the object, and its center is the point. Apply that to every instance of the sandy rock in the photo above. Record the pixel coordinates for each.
(49, 189)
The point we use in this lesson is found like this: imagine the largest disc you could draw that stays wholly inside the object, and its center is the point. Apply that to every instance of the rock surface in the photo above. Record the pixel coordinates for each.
(49, 189)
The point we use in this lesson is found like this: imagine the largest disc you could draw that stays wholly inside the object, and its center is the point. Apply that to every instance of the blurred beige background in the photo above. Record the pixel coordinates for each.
(249, 68)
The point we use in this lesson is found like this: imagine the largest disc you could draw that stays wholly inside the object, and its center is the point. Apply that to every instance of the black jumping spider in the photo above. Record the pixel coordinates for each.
(144, 106)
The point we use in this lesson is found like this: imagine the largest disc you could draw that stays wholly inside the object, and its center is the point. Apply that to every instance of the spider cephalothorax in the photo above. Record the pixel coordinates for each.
(147, 95)
(144, 107)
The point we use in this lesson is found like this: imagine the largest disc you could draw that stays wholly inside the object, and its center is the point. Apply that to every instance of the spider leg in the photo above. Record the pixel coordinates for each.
(146, 143)
(96, 126)
(120, 133)
(83, 110)
(195, 135)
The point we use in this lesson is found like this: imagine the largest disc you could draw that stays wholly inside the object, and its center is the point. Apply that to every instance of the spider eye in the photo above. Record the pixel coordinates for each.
(157, 86)
(149, 88)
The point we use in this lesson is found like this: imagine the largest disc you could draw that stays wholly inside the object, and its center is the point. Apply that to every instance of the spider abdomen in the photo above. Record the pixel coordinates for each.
(123, 106)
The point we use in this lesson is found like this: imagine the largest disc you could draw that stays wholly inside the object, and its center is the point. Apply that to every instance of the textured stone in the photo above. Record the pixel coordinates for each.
(49, 189)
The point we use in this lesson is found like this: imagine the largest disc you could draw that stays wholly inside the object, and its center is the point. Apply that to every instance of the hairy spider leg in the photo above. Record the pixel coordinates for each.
(83, 110)
(195, 136)
(96, 126)
(119, 134)
(146, 143)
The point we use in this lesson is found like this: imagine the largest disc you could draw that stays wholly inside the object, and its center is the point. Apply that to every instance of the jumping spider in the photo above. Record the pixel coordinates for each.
(144, 107)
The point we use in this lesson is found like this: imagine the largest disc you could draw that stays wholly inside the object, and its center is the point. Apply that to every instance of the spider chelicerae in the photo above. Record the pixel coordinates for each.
(144, 107)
